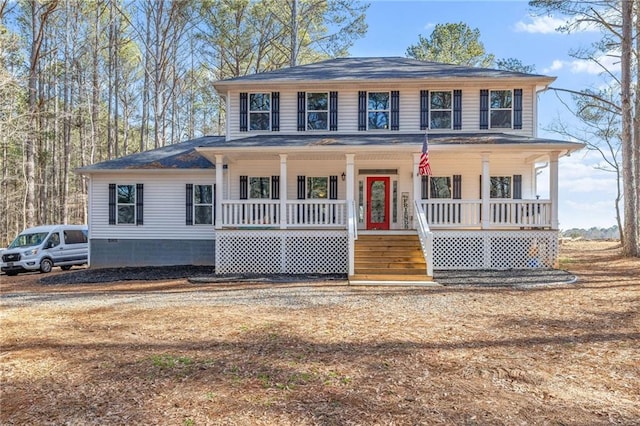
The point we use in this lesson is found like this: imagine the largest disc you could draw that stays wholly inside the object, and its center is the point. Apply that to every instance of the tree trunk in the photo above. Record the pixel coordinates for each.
(630, 246)
(636, 133)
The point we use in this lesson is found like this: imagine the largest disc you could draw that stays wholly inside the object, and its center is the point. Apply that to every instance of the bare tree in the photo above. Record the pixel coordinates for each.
(615, 20)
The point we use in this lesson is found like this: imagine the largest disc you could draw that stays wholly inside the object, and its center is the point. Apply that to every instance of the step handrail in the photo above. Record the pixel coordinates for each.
(425, 236)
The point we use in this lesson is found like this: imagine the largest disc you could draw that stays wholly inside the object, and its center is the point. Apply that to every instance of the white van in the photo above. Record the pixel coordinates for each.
(43, 247)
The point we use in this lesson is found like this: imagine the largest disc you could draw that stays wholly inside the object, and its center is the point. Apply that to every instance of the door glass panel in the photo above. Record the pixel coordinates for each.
(378, 202)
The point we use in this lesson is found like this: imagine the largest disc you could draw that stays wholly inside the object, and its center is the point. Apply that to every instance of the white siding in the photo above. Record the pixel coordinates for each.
(164, 206)
(409, 107)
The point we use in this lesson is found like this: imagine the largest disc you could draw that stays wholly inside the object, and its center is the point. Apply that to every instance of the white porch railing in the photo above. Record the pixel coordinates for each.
(426, 237)
(528, 213)
(452, 213)
(332, 213)
(298, 213)
(250, 213)
(502, 213)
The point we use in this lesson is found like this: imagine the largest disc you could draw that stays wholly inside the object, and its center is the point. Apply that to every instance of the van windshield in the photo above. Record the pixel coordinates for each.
(28, 240)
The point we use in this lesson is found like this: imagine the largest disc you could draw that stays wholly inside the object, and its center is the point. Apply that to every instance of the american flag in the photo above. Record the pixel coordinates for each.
(425, 168)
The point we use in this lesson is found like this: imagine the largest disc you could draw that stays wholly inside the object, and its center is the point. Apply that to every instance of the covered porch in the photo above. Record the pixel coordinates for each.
(290, 227)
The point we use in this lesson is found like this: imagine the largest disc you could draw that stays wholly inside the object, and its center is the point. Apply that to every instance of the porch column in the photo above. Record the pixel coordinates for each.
(486, 191)
(283, 191)
(553, 188)
(350, 173)
(219, 192)
(417, 182)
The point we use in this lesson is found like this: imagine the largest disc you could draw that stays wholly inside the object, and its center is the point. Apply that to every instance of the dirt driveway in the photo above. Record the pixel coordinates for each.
(171, 352)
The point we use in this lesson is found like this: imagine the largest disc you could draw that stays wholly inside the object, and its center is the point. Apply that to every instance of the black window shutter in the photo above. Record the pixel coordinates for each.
(244, 111)
(362, 110)
(333, 187)
(189, 204)
(275, 111)
(517, 187)
(517, 108)
(112, 204)
(424, 109)
(333, 111)
(457, 187)
(244, 187)
(457, 109)
(302, 109)
(275, 187)
(301, 187)
(484, 109)
(395, 110)
(139, 204)
(424, 187)
(480, 187)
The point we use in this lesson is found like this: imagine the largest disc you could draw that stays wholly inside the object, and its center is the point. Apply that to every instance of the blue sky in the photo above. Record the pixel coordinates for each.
(509, 29)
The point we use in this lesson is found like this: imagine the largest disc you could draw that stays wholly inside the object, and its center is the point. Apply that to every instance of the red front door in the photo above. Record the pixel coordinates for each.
(378, 202)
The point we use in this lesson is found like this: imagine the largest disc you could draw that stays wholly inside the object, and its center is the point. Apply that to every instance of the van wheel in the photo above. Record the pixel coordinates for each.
(65, 267)
(46, 265)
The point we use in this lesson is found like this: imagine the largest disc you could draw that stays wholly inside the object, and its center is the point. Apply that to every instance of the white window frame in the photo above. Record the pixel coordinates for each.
(432, 109)
(119, 204)
(491, 109)
(260, 111)
(387, 111)
(310, 111)
(195, 205)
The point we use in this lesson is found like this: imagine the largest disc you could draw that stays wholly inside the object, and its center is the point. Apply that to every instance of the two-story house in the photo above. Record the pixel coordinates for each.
(319, 173)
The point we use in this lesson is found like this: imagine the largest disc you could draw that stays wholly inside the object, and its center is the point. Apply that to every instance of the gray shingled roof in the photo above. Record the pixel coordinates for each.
(177, 156)
(386, 139)
(184, 155)
(390, 68)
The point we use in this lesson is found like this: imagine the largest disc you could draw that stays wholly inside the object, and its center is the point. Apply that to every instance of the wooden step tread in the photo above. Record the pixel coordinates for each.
(389, 277)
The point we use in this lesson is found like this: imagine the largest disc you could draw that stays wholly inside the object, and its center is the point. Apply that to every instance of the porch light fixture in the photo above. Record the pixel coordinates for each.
(344, 176)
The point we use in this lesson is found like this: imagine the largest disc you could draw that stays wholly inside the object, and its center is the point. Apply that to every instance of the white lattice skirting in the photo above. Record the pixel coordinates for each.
(494, 249)
(281, 252)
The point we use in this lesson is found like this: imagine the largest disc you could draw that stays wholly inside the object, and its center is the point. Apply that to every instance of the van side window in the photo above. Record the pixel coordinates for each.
(74, 237)
(54, 240)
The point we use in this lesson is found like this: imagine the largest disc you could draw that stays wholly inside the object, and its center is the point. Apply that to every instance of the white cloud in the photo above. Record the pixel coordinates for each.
(549, 25)
(429, 26)
(556, 65)
(539, 25)
(583, 66)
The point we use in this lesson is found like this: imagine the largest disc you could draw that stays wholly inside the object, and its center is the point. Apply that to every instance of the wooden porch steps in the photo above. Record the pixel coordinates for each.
(389, 258)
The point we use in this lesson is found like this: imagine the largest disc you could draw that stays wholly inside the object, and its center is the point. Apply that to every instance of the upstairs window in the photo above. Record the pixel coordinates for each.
(126, 204)
(501, 106)
(317, 111)
(378, 109)
(259, 111)
(441, 110)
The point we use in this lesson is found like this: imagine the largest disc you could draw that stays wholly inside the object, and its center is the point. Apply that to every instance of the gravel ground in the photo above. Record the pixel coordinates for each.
(279, 291)
(517, 278)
